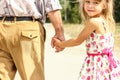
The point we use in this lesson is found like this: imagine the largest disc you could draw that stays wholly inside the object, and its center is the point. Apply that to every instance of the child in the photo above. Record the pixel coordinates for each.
(100, 64)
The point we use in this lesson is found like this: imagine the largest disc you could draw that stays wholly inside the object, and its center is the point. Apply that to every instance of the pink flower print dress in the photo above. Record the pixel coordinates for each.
(100, 63)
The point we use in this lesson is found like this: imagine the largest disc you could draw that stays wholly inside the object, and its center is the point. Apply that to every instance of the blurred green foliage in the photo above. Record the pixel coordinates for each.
(117, 10)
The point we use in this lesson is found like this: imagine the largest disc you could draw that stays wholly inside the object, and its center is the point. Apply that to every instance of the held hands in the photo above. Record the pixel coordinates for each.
(56, 43)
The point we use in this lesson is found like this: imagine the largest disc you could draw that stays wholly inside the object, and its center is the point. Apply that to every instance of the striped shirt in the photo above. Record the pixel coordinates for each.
(36, 8)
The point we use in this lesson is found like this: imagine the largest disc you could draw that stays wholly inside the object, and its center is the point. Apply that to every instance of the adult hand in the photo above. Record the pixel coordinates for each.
(61, 38)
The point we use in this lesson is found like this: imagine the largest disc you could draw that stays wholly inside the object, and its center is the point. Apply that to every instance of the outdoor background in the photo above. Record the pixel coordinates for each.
(66, 64)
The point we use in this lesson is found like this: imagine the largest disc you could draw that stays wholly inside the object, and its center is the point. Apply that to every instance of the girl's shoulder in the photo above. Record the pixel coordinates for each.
(95, 22)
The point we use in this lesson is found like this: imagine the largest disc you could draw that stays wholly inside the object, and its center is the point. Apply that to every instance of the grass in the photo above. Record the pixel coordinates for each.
(74, 29)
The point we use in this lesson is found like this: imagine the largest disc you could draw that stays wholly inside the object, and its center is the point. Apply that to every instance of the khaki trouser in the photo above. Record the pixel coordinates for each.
(21, 48)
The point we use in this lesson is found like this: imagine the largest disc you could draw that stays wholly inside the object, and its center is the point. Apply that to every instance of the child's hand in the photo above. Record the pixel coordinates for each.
(57, 42)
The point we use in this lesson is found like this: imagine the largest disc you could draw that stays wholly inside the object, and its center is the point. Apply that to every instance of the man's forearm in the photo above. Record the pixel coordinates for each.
(56, 20)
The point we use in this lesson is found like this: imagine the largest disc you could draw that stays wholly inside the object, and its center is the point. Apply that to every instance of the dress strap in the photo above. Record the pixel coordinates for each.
(104, 26)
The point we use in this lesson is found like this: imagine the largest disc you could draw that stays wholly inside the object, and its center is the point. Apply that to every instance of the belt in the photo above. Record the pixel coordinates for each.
(23, 18)
(110, 58)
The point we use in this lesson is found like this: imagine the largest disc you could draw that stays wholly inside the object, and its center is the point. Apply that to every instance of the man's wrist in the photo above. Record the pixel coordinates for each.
(59, 30)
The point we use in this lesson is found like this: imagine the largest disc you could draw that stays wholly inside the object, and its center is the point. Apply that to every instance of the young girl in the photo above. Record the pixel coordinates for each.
(100, 64)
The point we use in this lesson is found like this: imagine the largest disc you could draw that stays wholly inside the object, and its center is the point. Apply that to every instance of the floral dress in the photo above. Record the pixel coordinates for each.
(100, 63)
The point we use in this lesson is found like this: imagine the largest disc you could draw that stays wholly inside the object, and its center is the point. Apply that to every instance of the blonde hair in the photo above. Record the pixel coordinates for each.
(108, 13)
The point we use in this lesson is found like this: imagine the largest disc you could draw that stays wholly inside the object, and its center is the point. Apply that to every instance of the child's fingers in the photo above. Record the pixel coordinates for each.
(56, 40)
(52, 43)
